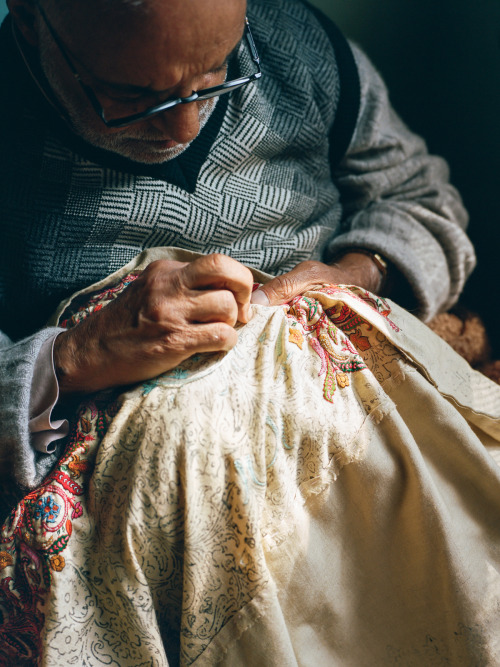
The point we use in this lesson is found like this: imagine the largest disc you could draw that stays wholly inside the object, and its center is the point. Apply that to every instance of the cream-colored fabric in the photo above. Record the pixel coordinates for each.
(321, 495)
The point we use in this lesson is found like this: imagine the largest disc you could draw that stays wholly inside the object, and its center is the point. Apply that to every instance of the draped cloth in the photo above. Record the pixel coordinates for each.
(326, 493)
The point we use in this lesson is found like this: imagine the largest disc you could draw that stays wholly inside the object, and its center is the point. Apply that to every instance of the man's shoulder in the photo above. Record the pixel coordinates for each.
(288, 10)
(293, 25)
(309, 63)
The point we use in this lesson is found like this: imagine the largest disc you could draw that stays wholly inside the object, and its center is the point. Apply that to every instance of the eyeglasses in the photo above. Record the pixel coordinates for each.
(204, 94)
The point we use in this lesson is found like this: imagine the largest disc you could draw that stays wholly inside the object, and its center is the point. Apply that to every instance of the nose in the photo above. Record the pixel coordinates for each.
(181, 124)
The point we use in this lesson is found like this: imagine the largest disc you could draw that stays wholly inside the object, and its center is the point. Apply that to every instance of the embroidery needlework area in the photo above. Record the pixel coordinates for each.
(326, 492)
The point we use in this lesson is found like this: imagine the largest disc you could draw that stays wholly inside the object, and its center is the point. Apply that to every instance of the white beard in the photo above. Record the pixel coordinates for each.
(135, 146)
(132, 142)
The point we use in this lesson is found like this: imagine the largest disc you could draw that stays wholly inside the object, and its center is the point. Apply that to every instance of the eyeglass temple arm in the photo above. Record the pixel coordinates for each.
(251, 43)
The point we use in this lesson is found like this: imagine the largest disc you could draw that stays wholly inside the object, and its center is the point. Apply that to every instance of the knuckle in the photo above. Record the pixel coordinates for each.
(155, 312)
(162, 313)
(154, 268)
(284, 286)
(161, 272)
(178, 341)
(160, 300)
(226, 302)
(225, 336)
(175, 281)
(217, 261)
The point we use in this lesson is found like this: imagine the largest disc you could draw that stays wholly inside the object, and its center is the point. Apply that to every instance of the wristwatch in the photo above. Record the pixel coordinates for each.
(377, 259)
(381, 264)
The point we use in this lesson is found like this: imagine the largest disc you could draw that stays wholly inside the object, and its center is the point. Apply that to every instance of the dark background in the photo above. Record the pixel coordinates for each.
(441, 61)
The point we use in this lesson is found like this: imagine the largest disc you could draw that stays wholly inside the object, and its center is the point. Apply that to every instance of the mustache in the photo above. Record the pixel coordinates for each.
(153, 134)
(143, 136)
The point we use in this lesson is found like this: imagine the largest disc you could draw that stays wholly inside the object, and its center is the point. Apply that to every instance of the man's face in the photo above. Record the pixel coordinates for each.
(136, 57)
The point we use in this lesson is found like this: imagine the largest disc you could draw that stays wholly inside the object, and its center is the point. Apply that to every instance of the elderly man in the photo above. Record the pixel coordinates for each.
(254, 134)
(96, 168)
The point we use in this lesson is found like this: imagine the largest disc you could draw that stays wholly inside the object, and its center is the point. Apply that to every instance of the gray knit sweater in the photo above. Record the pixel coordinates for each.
(256, 184)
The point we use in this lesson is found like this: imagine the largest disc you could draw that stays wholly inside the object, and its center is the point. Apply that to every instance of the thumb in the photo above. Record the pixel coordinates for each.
(277, 291)
(260, 298)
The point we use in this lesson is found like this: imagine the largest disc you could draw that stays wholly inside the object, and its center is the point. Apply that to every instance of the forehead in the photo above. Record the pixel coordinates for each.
(116, 37)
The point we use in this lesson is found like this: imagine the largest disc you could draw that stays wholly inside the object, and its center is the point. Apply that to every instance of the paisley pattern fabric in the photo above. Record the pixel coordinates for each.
(209, 516)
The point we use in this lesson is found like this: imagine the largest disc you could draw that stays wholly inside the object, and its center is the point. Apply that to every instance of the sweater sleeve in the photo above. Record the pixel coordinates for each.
(18, 458)
(398, 202)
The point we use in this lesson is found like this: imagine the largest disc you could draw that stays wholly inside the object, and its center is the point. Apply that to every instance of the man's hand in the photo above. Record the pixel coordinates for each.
(351, 269)
(170, 312)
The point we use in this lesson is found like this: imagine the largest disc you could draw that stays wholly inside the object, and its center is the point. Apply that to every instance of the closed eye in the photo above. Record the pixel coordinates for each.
(218, 70)
(125, 98)
(150, 97)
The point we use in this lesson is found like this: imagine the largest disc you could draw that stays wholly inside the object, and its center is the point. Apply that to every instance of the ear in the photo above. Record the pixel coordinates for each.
(23, 14)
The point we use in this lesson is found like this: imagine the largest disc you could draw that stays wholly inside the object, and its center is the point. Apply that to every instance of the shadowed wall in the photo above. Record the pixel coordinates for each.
(441, 61)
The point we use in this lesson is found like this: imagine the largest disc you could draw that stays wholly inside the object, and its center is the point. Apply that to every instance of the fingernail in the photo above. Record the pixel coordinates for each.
(260, 298)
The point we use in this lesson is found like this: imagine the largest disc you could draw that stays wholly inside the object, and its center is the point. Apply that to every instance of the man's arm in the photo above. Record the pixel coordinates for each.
(397, 203)
(18, 458)
(170, 312)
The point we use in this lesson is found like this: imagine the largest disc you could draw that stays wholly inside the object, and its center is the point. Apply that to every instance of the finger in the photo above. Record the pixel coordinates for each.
(159, 278)
(283, 288)
(213, 306)
(204, 337)
(222, 272)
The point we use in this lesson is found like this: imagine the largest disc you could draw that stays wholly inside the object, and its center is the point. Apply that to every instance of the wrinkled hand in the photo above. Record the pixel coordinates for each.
(351, 269)
(170, 312)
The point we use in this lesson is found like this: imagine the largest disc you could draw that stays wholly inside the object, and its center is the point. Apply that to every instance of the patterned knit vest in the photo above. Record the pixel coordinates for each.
(262, 192)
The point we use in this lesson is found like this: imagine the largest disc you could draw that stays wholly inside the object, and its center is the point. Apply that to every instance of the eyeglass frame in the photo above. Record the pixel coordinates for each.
(125, 121)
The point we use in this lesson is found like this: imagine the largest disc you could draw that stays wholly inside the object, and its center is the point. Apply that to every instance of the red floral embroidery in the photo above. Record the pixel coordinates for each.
(336, 352)
(361, 342)
(78, 311)
(35, 535)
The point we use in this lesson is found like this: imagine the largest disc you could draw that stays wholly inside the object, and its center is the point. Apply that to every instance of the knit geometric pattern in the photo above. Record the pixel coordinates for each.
(264, 195)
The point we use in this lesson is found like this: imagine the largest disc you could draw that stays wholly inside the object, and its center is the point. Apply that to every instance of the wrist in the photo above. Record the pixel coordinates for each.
(366, 268)
(64, 363)
(71, 364)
